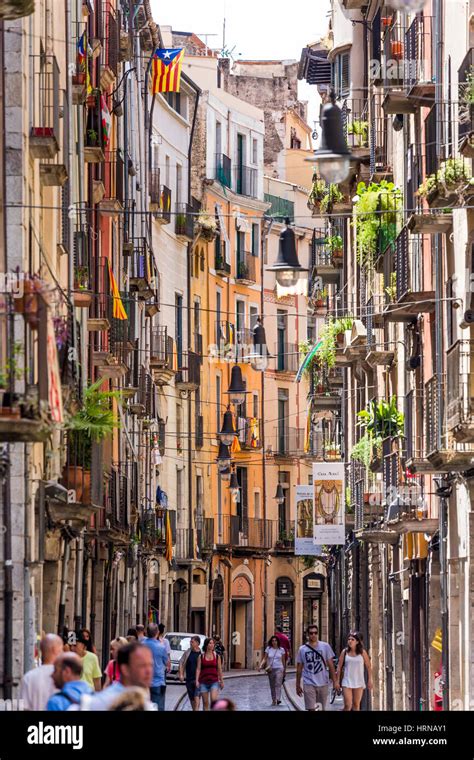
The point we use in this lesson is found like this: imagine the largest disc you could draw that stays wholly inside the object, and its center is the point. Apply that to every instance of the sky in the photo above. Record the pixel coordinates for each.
(254, 28)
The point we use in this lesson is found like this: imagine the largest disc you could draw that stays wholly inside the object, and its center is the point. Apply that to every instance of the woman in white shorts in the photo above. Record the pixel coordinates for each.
(350, 671)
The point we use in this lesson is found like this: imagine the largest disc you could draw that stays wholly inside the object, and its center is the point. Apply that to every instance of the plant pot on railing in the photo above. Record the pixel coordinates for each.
(78, 479)
(206, 227)
(396, 50)
(79, 79)
(28, 303)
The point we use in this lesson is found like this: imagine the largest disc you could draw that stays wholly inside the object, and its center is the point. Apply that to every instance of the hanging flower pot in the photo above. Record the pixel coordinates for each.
(79, 79)
(387, 21)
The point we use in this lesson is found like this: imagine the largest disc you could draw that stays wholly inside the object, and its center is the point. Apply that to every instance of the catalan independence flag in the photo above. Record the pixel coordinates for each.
(118, 309)
(168, 539)
(166, 70)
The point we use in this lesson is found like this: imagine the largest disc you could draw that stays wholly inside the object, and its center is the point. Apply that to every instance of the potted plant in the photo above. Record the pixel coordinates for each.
(94, 422)
(92, 98)
(92, 137)
(318, 191)
(391, 290)
(381, 420)
(335, 244)
(332, 451)
(11, 371)
(331, 198)
(441, 188)
(360, 130)
(377, 207)
(79, 78)
(396, 49)
(181, 224)
(33, 289)
(320, 298)
(341, 325)
(206, 226)
(82, 294)
(243, 270)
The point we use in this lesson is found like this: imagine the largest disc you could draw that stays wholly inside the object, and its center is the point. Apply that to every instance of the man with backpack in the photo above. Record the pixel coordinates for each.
(67, 677)
(313, 661)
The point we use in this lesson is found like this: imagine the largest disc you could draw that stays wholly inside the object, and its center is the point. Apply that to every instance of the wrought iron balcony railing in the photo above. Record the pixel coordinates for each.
(281, 208)
(245, 181)
(246, 268)
(288, 441)
(460, 390)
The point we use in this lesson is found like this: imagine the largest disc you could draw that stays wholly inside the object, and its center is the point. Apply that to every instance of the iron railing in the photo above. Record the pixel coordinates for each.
(460, 384)
(112, 174)
(245, 181)
(249, 431)
(246, 267)
(466, 106)
(288, 441)
(184, 221)
(190, 370)
(281, 208)
(109, 35)
(287, 357)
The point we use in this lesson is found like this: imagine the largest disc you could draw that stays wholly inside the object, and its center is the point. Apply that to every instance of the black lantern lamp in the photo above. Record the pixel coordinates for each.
(287, 267)
(223, 457)
(280, 494)
(234, 487)
(259, 355)
(333, 156)
(227, 433)
(225, 473)
(236, 388)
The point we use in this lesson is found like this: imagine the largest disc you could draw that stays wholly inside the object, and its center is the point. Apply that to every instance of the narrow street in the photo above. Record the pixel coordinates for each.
(250, 693)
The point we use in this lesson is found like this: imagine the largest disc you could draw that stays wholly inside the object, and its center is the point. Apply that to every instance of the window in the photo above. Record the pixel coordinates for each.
(284, 509)
(282, 320)
(179, 176)
(167, 171)
(254, 151)
(255, 239)
(197, 328)
(253, 313)
(177, 101)
(179, 495)
(256, 504)
(282, 421)
(199, 495)
(240, 315)
(240, 251)
(311, 328)
(218, 402)
(179, 429)
(179, 328)
(341, 73)
(218, 315)
(218, 138)
(255, 405)
(450, 314)
(242, 505)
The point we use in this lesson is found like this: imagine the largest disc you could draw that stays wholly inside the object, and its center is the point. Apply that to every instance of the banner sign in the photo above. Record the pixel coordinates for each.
(328, 485)
(304, 522)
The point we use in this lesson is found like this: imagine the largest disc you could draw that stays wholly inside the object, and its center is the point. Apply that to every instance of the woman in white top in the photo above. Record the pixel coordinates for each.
(274, 663)
(350, 671)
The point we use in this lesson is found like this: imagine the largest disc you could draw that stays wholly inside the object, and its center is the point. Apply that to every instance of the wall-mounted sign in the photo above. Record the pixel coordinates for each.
(328, 484)
(304, 522)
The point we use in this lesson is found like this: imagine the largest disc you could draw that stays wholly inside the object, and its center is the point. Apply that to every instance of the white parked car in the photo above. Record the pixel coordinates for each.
(179, 644)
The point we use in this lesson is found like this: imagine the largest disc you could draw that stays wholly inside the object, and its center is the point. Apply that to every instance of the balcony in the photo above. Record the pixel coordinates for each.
(121, 345)
(325, 440)
(324, 261)
(460, 391)
(288, 442)
(184, 222)
(411, 511)
(153, 529)
(249, 430)
(442, 449)
(205, 535)
(245, 181)
(409, 64)
(199, 432)
(109, 36)
(287, 357)
(115, 525)
(280, 209)
(45, 135)
(160, 199)
(284, 535)
(162, 356)
(188, 376)
(246, 268)
(466, 107)
(94, 137)
(142, 271)
(404, 270)
(82, 476)
(414, 416)
(223, 169)
(221, 266)
(112, 177)
(141, 407)
(355, 115)
(244, 532)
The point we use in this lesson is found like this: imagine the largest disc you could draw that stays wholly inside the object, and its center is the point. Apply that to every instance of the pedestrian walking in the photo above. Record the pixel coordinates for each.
(112, 670)
(37, 686)
(219, 648)
(132, 634)
(284, 642)
(135, 663)
(313, 661)
(133, 699)
(67, 677)
(187, 671)
(140, 631)
(86, 635)
(274, 663)
(160, 664)
(350, 671)
(91, 672)
(209, 674)
(224, 705)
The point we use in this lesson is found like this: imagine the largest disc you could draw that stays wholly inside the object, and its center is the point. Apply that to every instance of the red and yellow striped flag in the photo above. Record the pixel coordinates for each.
(118, 310)
(169, 539)
(166, 70)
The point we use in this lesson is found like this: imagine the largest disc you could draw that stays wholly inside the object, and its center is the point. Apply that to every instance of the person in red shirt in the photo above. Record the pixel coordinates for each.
(284, 642)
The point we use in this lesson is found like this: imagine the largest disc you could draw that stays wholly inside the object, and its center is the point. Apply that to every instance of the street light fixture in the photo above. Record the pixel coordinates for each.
(225, 474)
(333, 156)
(280, 494)
(234, 487)
(227, 432)
(259, 355)
(223, 457)
(236, 390)
(287, 267)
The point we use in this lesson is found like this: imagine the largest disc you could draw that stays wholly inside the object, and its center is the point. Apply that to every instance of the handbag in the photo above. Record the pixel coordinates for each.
(269, 668)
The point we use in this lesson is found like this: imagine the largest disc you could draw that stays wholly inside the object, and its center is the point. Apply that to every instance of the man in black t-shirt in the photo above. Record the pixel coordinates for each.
(187, 670)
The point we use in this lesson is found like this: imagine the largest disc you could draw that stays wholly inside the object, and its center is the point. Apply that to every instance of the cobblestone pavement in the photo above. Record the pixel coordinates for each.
(252, 693)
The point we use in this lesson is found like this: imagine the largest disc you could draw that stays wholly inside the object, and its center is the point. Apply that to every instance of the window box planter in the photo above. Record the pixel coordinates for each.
(82, 298)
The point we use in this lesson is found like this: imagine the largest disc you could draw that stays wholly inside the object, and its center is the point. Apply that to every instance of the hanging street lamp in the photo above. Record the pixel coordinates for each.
(234, 487)
(227, 433)
(223, 457)
(225, 474)
(333, 156)
(280, 494)
(236, 390)
(259, 356)
(287, 267)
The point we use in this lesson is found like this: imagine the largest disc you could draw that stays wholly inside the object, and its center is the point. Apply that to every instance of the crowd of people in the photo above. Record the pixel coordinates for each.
(70, 677)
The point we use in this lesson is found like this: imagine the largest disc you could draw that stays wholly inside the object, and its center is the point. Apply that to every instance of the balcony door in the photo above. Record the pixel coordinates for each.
(282, 420)
(242, 505)
(281, 339)
(241, 148)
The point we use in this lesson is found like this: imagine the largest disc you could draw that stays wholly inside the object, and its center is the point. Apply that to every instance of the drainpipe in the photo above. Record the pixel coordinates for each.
(264, 252)
(79, 573)
(7, 573)
(63, 585)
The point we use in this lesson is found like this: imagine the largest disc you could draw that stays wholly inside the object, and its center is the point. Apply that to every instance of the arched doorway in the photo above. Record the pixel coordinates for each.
(242, 624)
(180, 605)
(284, 606)
(313, 589)
(217, 606)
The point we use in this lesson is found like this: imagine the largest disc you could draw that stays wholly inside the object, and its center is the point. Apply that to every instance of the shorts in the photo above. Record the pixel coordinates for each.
(206, 688)
(315, 697)
(192, 689)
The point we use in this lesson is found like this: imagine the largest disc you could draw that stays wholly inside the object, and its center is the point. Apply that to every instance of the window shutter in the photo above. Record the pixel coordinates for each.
(255, 239)
(345, 74)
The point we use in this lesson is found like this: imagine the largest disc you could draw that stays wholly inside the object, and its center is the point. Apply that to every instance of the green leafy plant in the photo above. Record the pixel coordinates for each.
(391, 290)
(450, 173)
(363, 450)
(318, 191)
(382, 419)
(360, 130)
(95, 421)
(467, 88)
(11, 370)
(332, 196)
(81, 278)
(92, 137)
(376, 215)
(334, 243)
